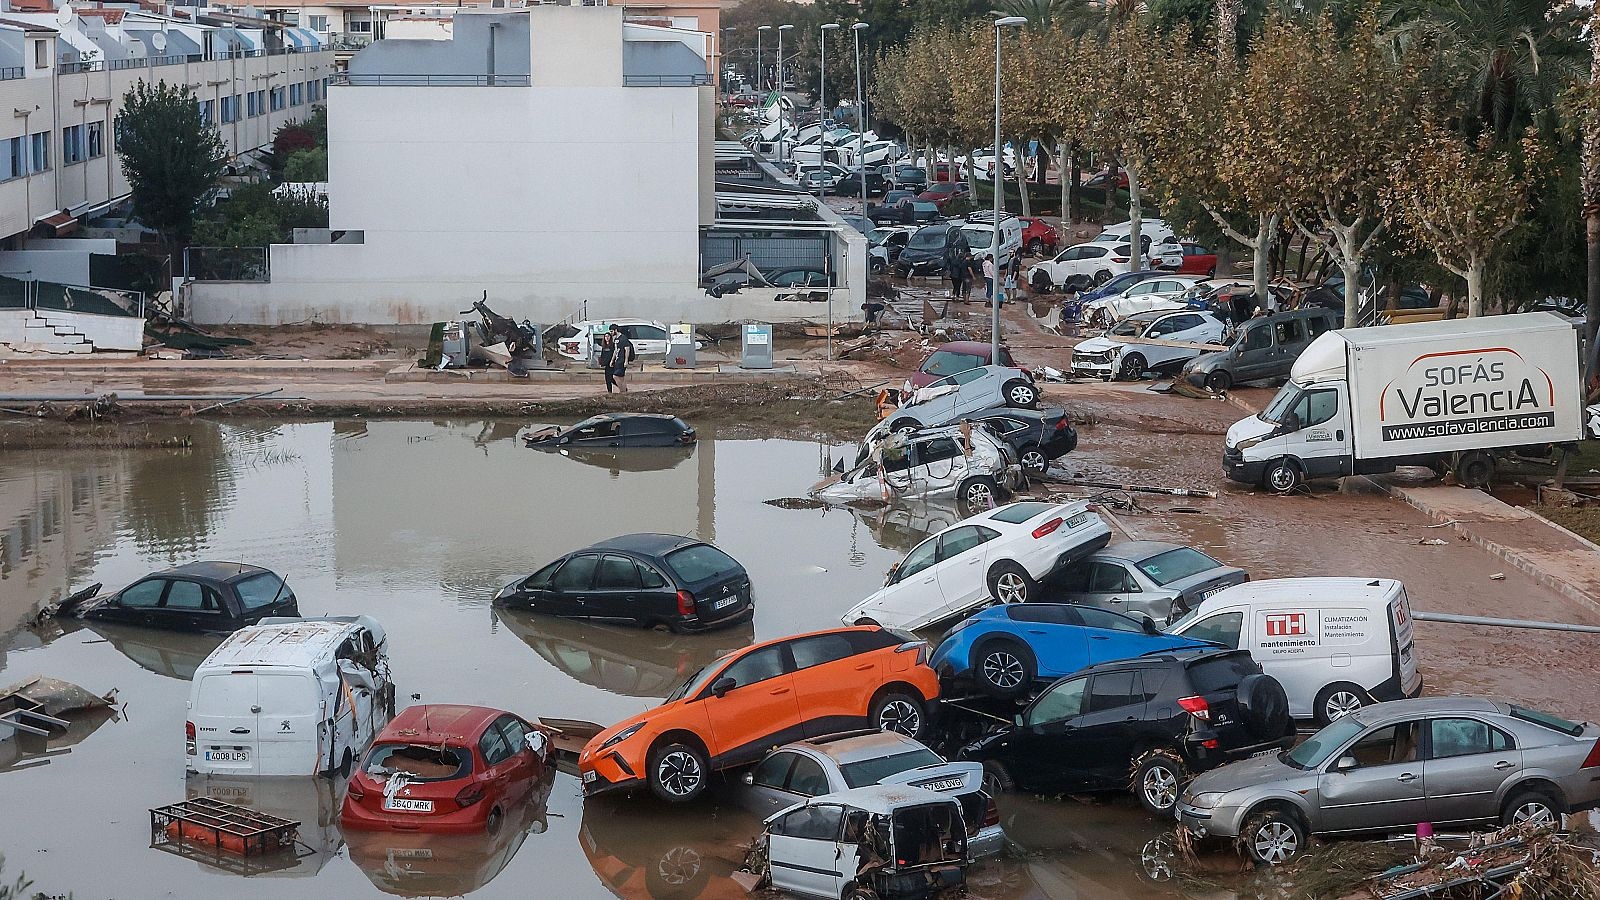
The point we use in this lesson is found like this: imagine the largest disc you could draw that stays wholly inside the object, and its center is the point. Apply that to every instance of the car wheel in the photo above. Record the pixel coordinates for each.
(997, 778)
(1338, 700)
(1003, 668)
(1011, 583)
(1035, 247)
(899, 712)
(874, 265)
(1021, 395)
(1274, 837)
(678, 773)
(1040, 282)
(679, 872)
(1263, 706)
(1133, 365)
(1158, 777)
(1531, 808)
(980, 492)
(1101, 277)
(1283, 475)
(904, 424)
(1033, 460)
(859, 892)
(1219, 382)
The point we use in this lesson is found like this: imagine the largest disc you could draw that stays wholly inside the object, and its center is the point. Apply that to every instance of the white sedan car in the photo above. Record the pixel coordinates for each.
(1002, 554)
(649, 338)
(1127, 350)
(1152, 293)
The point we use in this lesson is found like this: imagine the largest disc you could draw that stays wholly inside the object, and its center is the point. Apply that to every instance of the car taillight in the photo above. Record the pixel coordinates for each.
(355, 791)
(1593, 759)
(1119, 259)
(469, 795)
(1196, 706)
(1047, 527)
(685, 603)
(991, 814)
(1211, 744)
(188, 731)
(1061, 424)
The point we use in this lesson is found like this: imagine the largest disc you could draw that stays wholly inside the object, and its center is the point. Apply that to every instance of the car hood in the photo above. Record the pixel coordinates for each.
(1205, 362)
(1097, 345)
(1251, 429)
(1261, 769)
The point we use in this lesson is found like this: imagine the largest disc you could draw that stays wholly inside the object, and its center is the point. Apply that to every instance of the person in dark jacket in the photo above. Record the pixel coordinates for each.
(622, 353)
(958, 264)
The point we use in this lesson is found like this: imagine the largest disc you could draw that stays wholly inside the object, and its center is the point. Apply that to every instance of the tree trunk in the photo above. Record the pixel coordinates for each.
(1227, 32)
(972, 176)
(1022, 175)
(1475, 286)
(1261, 260)
(1062, 165)
(1135, 220)
(1591, 210)
(1110, 193)
(1072, 182)
(1352, 289)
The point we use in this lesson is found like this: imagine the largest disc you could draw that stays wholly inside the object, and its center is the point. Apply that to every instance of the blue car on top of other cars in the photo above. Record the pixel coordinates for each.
(1002, 650)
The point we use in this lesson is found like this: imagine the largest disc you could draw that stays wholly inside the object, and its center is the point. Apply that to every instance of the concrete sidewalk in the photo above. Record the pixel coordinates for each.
(1544, 551)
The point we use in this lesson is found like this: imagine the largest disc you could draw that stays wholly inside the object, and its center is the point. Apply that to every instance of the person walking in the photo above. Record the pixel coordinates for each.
(988, 277)
(622, 353)
(608, 351)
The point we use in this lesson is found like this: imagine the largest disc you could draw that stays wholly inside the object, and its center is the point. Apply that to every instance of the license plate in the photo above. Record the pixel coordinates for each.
(410, 853)
(233, 756)
(943, 784)
(725, 602)
(1215, 590)
(1077, 520)
(407, 804)
(589, 777)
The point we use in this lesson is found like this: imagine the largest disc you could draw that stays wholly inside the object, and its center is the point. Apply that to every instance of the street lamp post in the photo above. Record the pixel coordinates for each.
(761, 74)
(995, 294)
(782, 127)
(822, 112)
(861, 118)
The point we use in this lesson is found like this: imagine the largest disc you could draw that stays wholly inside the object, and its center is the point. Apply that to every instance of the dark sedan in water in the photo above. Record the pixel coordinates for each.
(613, 430)
(201, 596)
(652, 580)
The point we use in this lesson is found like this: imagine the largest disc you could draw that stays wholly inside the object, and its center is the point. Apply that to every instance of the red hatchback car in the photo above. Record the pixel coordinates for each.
(1038, 237)
(445, 768)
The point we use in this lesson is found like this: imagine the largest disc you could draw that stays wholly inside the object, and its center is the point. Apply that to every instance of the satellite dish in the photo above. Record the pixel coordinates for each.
(64, 15)
(159, 41)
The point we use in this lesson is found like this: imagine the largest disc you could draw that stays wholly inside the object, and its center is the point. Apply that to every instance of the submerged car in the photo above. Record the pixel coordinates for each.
(448, 768)
(1444, 760)
(1147, 342)
(799, 771)
(879, 842)
(975, 467)
(612, 430)
(1002, 554)
(650, 580)
(958, 396)
(1151, 578)
(215, 597)
(1002, 650)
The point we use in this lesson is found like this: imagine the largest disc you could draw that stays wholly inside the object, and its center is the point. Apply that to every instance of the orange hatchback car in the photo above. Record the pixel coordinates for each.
(734, 710)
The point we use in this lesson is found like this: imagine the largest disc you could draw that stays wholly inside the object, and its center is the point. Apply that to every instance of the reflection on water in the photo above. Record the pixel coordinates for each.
(634, 662)
(174, 654)
(648, 850)
(26, 751)
(313, 802)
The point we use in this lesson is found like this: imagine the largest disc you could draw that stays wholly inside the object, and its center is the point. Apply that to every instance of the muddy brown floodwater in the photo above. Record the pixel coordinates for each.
(418, 523)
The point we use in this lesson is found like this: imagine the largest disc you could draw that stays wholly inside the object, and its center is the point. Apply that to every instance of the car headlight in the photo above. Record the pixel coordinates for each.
(621, 736)
(507, 591)
(1208, 800)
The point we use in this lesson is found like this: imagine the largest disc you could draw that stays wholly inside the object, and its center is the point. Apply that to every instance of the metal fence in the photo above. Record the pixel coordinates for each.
(771, 251)
(50, 296)
(227, 264)
(666, 80)
(433, 80)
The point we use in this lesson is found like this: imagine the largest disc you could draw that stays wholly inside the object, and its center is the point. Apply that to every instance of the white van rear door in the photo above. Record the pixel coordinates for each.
(1405, 644)
(226, 723)
(291, 710)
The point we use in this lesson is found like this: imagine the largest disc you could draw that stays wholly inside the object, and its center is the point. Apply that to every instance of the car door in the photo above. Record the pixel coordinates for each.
(768, 789)
(1039, 753)
(500, 760)
(526, 765)
(616, 590)
(1105, 583)
(1111, 636)
(979, 390)
(137, 604)
(1090, 259)
(1102, 738)
(605, 433)
(190, 606)
(758, 707)
(1288, 339)
(937, 464)
(1384, 789)
(804, 853)
(961, 568)
(1189, 328)
(1256, 357)
(914, 594)
(1053, 631)
(1221, 627)
(828, 675)
(1467, 762)
(568, 594)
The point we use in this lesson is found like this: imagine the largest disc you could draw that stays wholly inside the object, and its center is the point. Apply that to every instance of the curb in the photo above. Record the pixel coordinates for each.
(1508, 555)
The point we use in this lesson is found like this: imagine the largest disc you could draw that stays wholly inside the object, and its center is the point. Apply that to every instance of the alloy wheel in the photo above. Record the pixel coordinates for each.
(1011, 588)
(1535, 813)
(1341, 703)
(980, 495)
(1275, 842)
(1033, 461)
(1002, 669)
(1022, 395)
(679, 773)
(1160, 787)
(679, 866)
(898, 715)
(1281, 478)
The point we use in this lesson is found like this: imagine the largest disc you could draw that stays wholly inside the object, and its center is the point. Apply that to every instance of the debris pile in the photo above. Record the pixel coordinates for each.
(1519, 861)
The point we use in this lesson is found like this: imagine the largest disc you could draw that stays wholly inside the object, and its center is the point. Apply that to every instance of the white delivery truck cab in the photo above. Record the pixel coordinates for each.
(1335, 644)
(289, 697)
(1447, 395)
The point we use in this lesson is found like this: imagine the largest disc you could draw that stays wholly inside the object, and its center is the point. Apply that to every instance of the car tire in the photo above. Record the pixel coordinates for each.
(1040, 282)
(901, 713)
(1035, 247)
(1530, 807)
(997, 778)
(1020, 395)
(1219, 382)
(1158, 778)
(1132, 366)
(1003, 668)
(874, 265)
(1273, 837)
(1283, 476)
(1101, 277)
(678, 772)
(1475, 469)
(1263, 706)
(865, 621)
(859, 892)
(905, 424)
(979, 493)
(1011, 583)
(492, 824)
(1033, 460)
(1336, 700)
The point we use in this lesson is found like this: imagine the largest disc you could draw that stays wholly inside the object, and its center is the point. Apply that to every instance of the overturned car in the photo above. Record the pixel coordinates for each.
(965, 461)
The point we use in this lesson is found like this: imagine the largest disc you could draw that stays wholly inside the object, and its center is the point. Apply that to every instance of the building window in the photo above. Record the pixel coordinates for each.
(41, 55)
(207, 112)
(261, 103)
(71, 145)
(230, 109)
(314, 90)
(279, 95)
(297, 94)
(14, 161)
(39, 152)
(250, 105)
(319, 23)
(362, 26)
(97, 139)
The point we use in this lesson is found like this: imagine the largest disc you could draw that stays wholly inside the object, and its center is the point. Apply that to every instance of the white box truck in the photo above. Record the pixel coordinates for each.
(1449, 395)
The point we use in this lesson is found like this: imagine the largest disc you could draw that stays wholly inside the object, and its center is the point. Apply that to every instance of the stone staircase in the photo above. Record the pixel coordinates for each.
(26, 331)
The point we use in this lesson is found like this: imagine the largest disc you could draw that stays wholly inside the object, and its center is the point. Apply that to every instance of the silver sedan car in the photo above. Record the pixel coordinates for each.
(1445, 760)
(799, 771)
(1151, 578)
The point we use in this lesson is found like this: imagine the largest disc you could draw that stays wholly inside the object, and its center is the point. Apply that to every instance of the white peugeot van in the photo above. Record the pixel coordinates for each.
(1335, 644)
(289, 697)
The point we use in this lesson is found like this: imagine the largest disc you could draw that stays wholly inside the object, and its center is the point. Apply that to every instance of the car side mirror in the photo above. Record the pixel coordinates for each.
(1345, 764)
(722, 686)
(1017, 720)
(1149, 626)
(889, 576)
(749, 778)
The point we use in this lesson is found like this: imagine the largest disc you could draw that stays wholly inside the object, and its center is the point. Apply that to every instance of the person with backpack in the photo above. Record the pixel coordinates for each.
(622, 354)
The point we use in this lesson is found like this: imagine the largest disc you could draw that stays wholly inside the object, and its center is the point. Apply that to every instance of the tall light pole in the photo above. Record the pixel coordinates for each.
(782, 127)
(822, 113)
(761, 74)
(861, 118)
(995, 298)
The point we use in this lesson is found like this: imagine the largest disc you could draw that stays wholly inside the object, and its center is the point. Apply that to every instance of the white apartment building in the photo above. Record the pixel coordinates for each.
(557, 157)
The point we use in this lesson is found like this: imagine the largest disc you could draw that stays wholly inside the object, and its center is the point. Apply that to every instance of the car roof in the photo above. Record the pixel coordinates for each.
(216, 570)
(851, 747)
(1135, 551)
(439, 723)
(653, 544)
(1379, 713)
(591, 323)
(294, 643)
(976, 348)
(1314, 591)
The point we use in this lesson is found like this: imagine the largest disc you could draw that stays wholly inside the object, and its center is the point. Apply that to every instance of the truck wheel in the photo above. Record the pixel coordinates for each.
(1475, 469)
(1219, 382)
(1283, 475)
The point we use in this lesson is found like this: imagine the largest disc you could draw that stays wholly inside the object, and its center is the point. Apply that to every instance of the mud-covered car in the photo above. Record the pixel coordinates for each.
(973, 465)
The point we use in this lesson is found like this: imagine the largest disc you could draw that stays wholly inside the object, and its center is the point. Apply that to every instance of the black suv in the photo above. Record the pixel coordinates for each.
(1144, 725)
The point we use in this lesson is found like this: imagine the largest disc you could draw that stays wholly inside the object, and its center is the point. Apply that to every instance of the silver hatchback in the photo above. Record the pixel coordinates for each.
(1445, 760)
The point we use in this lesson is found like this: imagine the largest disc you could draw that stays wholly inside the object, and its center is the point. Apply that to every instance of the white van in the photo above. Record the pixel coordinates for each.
(1335, 644)
(289, 697)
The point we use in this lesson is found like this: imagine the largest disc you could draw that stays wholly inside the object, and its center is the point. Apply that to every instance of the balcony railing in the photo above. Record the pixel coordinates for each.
(347, 40)
(143, 62)
(433, 80)
(666, 80)
(73, 68)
